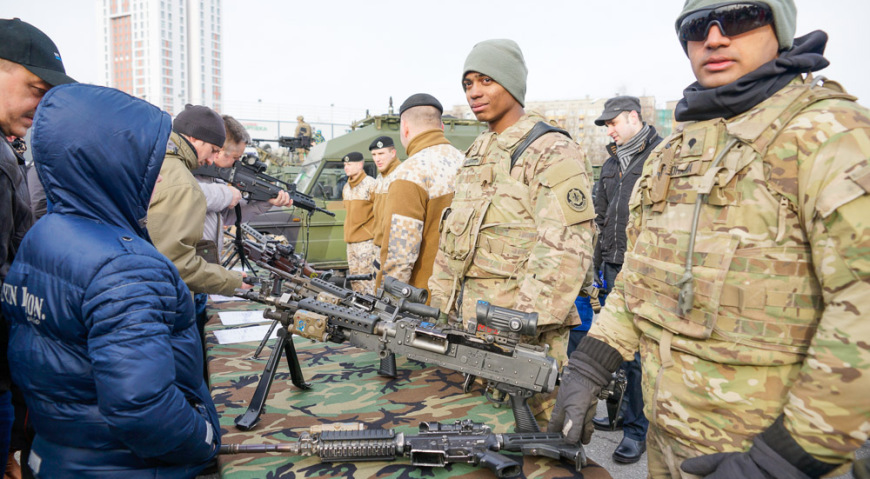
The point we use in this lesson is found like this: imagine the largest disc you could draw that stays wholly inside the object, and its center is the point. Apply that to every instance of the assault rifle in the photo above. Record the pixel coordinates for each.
(436, 446)
(258, 186)
(489, 349)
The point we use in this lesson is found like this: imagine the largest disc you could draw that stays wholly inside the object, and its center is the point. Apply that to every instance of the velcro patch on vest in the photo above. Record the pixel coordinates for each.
(576, 200)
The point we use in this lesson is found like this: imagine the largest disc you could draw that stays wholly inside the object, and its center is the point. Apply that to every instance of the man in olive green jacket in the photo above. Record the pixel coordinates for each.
(177, 211)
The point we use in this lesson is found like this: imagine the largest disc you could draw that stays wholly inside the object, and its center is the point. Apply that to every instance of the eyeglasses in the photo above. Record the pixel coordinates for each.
(731, 19)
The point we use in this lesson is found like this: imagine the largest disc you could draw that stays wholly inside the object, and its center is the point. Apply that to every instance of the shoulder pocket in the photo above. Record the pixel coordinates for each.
(855, 184)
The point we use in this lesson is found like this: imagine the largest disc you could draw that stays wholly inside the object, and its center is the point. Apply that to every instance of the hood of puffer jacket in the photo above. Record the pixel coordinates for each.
(98, 152)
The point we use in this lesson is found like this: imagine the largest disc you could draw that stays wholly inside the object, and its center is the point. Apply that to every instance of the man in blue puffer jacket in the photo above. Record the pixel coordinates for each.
(102, 335)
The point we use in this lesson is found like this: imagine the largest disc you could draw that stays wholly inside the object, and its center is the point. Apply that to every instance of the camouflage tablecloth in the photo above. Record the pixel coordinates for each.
(345, 387)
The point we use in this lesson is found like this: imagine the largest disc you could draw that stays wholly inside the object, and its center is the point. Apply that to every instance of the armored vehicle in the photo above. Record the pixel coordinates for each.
(319, 237)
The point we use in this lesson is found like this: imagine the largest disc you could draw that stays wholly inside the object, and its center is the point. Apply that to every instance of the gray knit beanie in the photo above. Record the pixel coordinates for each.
(202, 123)
(502, 60)
(784, 17)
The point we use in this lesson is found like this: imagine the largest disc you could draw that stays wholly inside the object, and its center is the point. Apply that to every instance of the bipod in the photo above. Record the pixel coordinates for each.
(283, 346)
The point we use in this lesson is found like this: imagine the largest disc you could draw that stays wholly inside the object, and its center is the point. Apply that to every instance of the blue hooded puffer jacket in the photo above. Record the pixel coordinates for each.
(102, 335)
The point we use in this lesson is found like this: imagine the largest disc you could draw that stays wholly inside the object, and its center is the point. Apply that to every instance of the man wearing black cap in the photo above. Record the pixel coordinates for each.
(746, 281)
(359, 222)
(633, 140)
(386, 160)
(29, 66)
(178, 208)
(520, 229)
(422, 187)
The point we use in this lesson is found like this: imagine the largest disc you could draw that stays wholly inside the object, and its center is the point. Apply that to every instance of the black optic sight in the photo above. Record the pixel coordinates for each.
(506, 320)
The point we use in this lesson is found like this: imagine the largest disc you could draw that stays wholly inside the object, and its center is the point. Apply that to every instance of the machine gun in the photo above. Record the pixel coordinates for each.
(492, 351)
(436, 445)
(294, 142)
(258, 186)
(267, 252)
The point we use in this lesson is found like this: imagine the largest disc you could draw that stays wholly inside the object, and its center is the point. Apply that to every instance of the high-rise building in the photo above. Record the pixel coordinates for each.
(167, 52)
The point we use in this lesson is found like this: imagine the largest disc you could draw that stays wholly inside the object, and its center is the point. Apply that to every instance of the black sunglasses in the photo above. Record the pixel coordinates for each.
(731, 19)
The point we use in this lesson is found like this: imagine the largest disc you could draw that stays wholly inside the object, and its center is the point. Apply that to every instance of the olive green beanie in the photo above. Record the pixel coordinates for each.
(784, 16)
(502, 60)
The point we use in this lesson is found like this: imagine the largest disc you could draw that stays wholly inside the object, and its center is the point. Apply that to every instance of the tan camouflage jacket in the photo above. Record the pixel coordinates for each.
(522, 238)
(382, 186)
(359, 222)
(422, 186)
(176, 217)
(778, 318)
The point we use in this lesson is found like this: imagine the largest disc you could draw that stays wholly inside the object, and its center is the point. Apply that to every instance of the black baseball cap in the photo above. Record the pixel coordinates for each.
(26, 45)
(616, 105)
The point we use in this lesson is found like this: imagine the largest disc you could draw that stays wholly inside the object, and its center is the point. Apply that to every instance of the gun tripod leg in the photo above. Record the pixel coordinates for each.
(295, 369)
(265, 340)
(251, 417)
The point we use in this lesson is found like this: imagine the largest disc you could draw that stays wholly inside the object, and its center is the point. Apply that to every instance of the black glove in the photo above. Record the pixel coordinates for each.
(588, 370)
(774, 455)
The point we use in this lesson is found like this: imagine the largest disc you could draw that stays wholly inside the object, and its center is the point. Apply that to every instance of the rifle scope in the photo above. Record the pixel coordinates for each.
(504, 319)
(405, 290)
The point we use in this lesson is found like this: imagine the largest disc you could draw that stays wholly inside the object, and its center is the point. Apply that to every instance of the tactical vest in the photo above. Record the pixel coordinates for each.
(489, 230)
(721, 252)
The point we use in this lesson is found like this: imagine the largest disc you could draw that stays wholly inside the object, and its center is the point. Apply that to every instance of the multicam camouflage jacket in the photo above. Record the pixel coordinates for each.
(761, 309)
(518, 237)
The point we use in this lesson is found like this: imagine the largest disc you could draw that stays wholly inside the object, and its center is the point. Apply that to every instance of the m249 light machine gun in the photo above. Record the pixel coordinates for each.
(255, 185)
(510, 367)
(436, 445)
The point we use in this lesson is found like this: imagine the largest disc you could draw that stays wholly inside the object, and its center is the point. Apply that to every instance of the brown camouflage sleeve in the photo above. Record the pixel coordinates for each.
(827, 411)
(562, 205)
(404, 213)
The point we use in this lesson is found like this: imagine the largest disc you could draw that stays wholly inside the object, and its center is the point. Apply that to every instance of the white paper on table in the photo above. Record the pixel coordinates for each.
(217, 298)
(235, 318)
(244, 335)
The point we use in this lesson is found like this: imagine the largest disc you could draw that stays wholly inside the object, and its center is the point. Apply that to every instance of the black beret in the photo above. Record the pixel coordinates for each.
(381, 142)
(421, 99)
(352, 156)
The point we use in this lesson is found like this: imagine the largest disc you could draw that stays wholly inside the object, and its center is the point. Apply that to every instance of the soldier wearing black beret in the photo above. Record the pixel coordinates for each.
(386, 159)
(359, 222)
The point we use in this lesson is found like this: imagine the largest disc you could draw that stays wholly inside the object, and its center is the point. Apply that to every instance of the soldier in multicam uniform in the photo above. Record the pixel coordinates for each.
(518, 234)
(386, 160)
(746, 279)
(421, 189)
(359, 222)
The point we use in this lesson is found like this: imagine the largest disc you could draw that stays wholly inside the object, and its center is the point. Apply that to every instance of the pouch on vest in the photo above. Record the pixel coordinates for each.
(460, 227)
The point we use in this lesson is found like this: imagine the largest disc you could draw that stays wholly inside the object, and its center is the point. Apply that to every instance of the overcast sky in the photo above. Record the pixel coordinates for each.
(308, 55)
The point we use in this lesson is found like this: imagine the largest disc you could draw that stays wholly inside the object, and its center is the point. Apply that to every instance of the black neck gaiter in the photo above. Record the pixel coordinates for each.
(729, 100)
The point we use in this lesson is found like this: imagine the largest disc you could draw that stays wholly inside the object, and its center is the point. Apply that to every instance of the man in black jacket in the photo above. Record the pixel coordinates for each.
(633, 140)
(29, 66)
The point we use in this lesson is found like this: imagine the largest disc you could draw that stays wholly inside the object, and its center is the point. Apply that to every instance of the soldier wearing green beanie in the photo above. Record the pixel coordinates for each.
(519, 231)
(745, 285)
